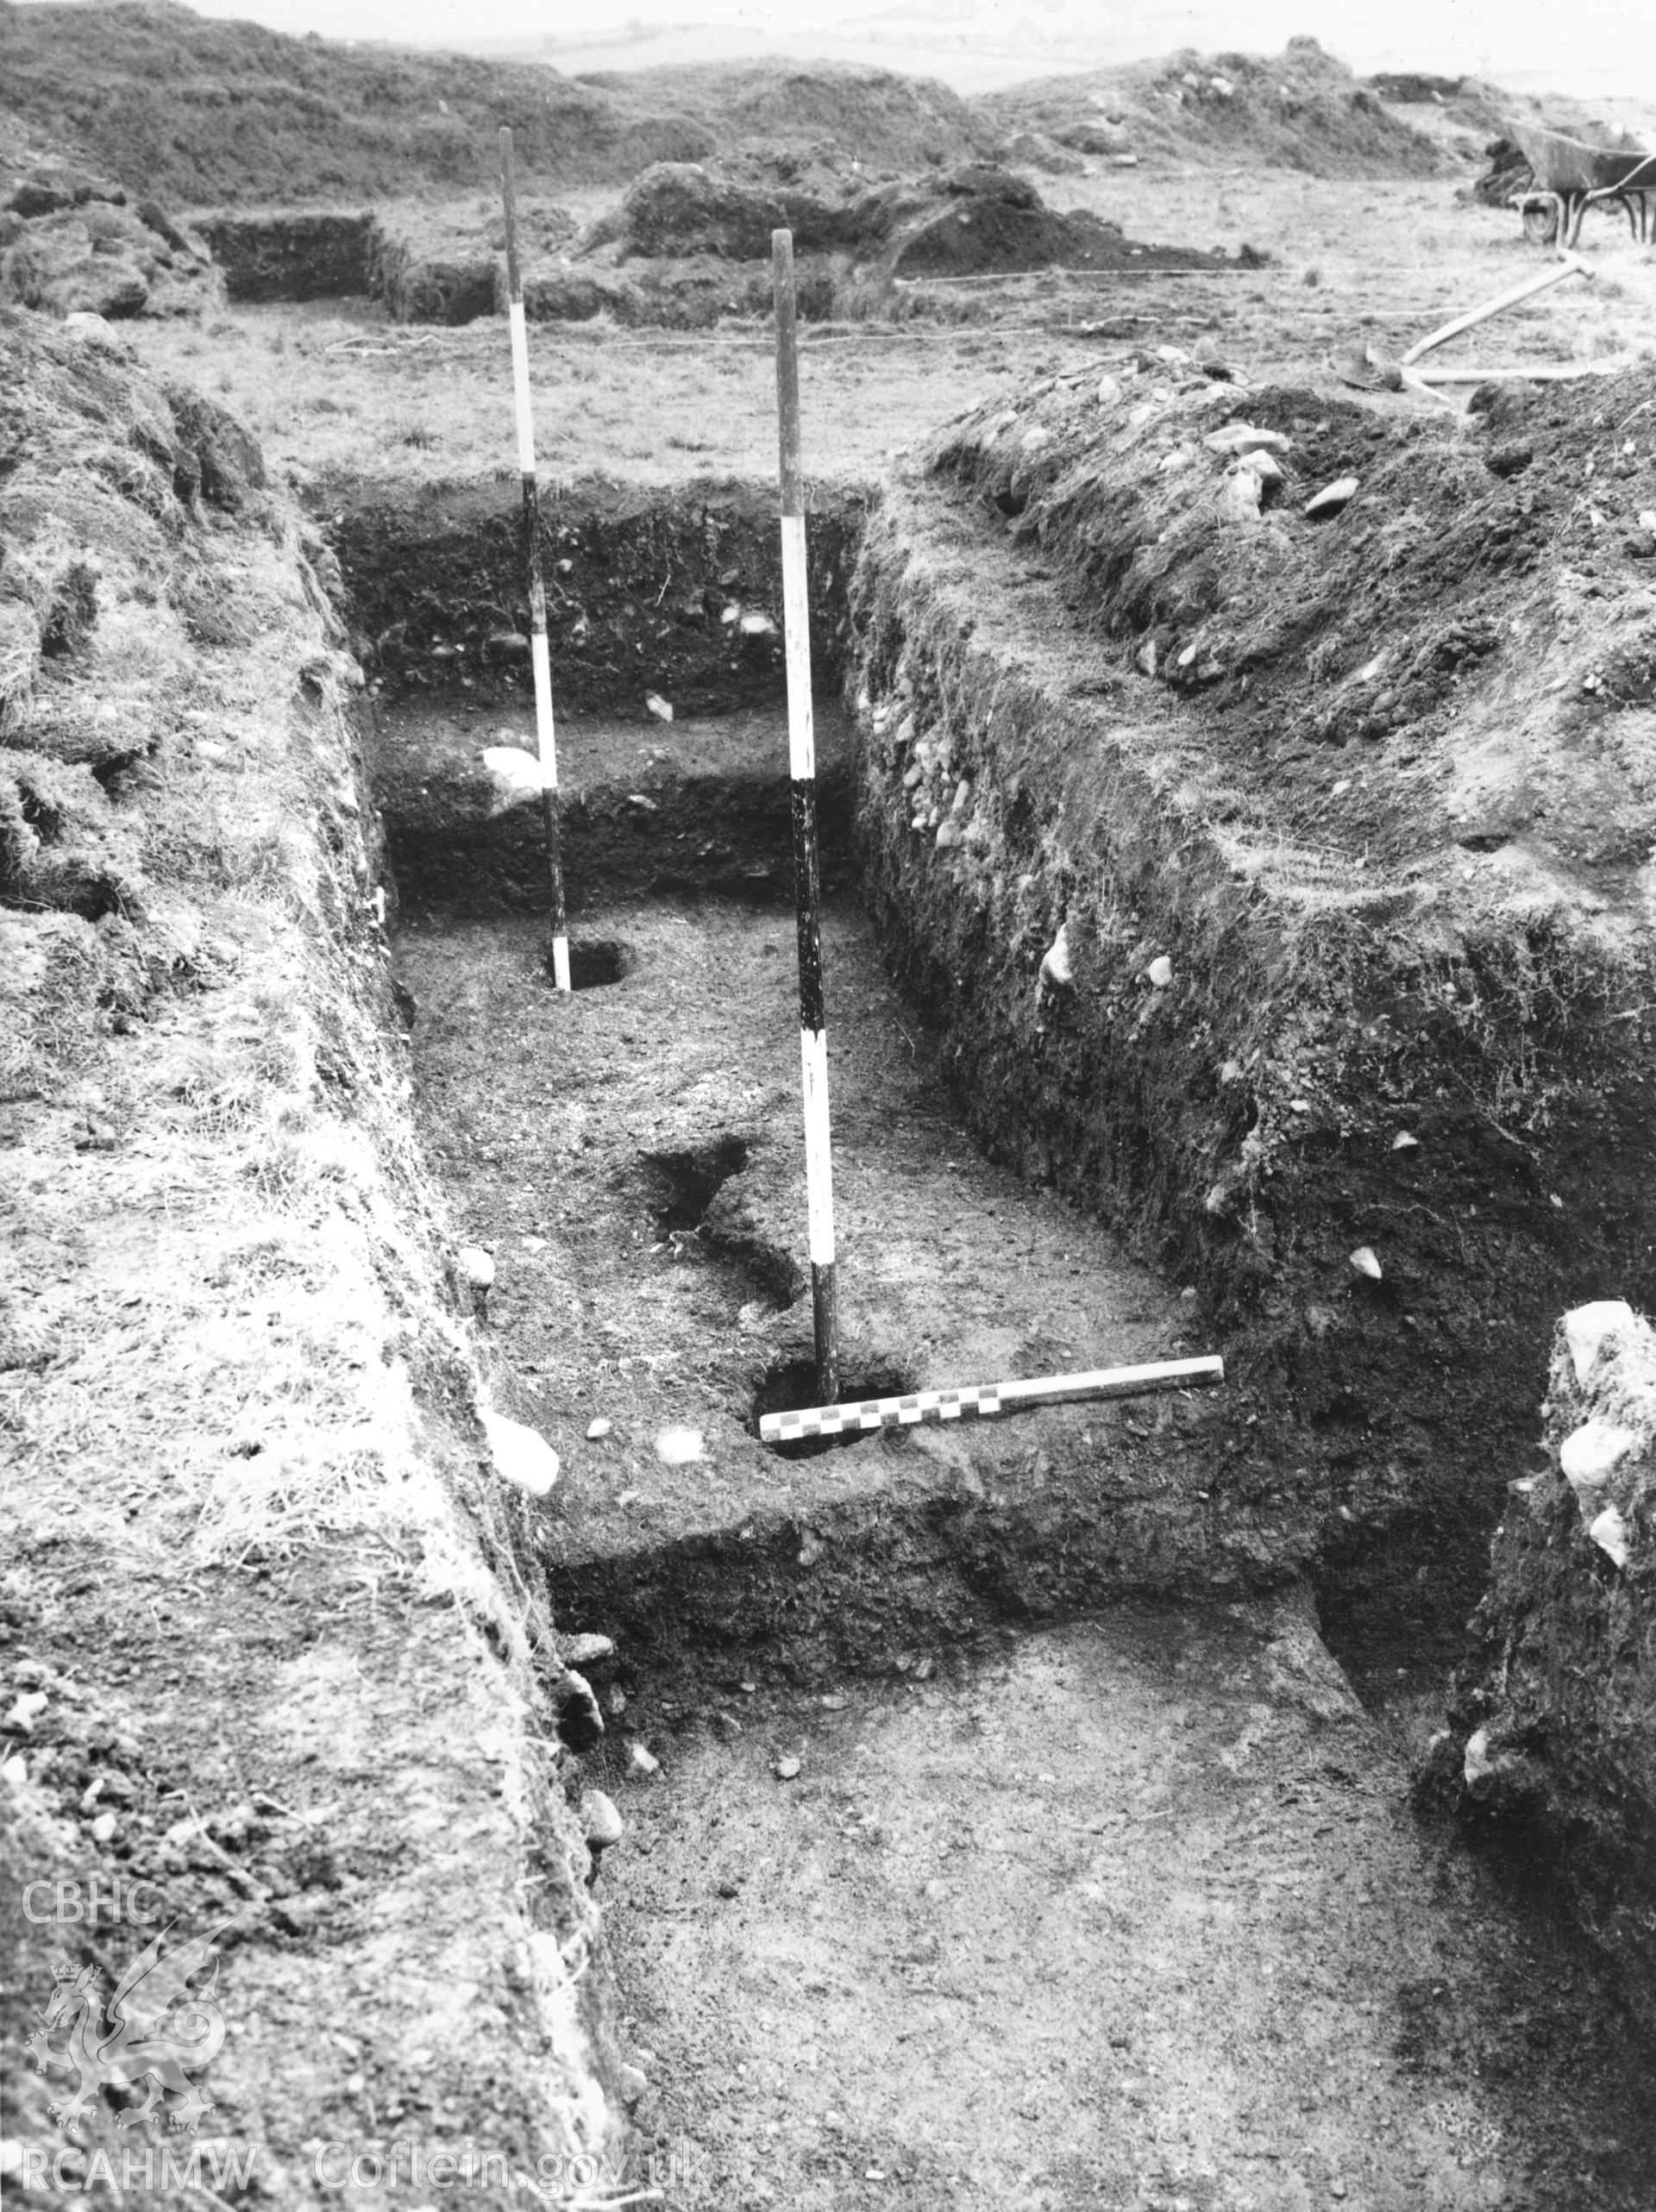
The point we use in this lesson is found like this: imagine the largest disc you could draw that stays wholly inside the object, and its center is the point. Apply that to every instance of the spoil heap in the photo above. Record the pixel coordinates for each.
(695, 226)
(1300, 109)
(1262, 789)
(74, 242)
(250, 1612)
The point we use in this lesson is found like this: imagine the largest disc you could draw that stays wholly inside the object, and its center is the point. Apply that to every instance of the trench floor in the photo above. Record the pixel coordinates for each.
(1129, 1911)
(633, 1158)
(1132, 1914)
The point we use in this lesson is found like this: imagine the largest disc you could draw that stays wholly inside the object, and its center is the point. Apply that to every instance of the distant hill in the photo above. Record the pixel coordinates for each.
(203, 112)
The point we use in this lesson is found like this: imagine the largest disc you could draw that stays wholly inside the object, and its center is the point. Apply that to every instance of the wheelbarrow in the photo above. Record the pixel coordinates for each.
(1571, 176)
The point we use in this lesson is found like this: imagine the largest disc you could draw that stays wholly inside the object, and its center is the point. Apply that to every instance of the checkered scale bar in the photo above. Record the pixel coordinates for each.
(879, 1413)
(985, 1399)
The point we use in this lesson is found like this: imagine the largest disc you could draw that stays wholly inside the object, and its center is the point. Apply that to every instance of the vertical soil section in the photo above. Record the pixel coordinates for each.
(1256, 1073)
(675, 593)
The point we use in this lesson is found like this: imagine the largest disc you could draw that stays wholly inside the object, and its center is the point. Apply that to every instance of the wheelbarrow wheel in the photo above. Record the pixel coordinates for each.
(1542, 223)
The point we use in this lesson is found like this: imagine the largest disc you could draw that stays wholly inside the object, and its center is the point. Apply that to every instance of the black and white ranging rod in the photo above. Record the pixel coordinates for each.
(828, 1417)
(802, 768)
(540, 656)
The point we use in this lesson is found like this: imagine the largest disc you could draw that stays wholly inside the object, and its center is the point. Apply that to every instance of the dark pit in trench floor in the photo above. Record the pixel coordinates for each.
(692, 1179)
(597, 962)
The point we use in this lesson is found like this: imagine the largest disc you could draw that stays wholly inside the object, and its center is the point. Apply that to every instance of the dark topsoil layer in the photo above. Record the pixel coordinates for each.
(675, 593)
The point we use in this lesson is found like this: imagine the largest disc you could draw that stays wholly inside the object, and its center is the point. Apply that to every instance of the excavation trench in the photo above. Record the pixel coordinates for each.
(995, 1819)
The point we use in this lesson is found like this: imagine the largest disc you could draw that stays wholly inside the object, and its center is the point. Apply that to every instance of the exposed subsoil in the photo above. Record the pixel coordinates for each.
(1127, 1913)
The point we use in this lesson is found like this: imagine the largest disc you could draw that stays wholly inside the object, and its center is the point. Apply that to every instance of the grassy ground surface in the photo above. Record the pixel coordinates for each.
(335, 388)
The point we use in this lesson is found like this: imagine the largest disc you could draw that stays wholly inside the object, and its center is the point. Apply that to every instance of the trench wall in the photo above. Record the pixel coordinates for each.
(340, 253)
(1235, 1110)
(676, 593)
(303, 256)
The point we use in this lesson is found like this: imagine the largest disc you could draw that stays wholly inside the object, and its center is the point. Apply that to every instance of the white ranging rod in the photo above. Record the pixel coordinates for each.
(987, 1398)
(540, 654)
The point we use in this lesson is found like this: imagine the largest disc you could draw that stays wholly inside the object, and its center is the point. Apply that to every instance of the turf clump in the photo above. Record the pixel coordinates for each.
(74, 242)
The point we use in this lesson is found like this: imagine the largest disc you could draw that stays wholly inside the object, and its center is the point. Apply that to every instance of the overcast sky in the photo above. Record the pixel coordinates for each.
(1596, 47)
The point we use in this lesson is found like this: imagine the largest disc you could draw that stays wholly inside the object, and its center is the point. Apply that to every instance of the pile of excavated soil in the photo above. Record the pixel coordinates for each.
(1282, 884)
(989, 224)
(854, 240)
(1506, 173)
(1555, 1733)
(72, 242)
(1298, 110)
(266, 1653)
(678, 207)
